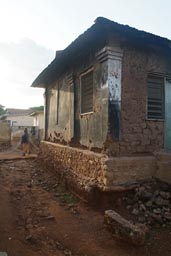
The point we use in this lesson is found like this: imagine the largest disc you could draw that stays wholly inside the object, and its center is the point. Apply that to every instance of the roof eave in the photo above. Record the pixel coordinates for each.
(36, 113)
(38, 85)
(102, 28)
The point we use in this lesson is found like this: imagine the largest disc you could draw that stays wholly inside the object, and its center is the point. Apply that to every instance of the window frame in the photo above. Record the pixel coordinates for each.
(81, 75)
(156, 76)
(57, 103)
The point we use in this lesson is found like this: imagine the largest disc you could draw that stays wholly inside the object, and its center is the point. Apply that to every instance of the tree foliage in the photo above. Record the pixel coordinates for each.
(2, 110)
(39, 108)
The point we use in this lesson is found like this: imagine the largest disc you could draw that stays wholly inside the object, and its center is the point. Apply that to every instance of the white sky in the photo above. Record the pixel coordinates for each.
(31, 31)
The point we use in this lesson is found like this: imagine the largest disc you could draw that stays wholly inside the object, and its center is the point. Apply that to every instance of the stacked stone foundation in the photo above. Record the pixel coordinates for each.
(85, 169)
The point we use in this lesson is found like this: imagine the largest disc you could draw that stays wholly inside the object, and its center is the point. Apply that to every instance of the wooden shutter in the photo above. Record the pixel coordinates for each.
(155, 97)
(87, 92)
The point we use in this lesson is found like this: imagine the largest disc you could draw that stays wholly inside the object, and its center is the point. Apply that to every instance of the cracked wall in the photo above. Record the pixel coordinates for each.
(118, 124)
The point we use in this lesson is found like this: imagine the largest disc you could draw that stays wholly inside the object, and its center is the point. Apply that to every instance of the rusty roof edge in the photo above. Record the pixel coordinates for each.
(66, 53)
(101, 24)
(34, 113)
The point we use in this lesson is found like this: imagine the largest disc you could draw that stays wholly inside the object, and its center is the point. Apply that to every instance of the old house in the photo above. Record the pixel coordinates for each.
(107, 107)
(38, 118)
(19, 117)
(38, 123)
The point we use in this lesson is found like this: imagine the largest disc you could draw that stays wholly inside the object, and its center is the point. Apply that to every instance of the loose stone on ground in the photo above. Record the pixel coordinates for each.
(124, 229)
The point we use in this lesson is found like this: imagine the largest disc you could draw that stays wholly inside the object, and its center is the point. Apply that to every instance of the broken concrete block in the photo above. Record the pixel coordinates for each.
(124, 229)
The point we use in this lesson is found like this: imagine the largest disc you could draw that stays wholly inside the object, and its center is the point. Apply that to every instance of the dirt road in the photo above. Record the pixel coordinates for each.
(39, 217)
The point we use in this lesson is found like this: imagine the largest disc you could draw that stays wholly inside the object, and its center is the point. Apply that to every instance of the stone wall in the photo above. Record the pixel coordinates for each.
(138, 134)
(83, 167)
(86, 169)
(5, 134)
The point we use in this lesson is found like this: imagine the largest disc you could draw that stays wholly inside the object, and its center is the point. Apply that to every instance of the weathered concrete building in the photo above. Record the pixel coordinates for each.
(108, 100)
(19, 117)
(5, 134)
(39, 123)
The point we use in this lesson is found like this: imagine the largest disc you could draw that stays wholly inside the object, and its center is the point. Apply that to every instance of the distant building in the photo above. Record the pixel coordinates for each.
(19, 117)
(38, 123)
(38, 119)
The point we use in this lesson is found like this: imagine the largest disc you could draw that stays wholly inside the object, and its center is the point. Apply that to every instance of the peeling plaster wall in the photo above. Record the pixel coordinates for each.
(65, 122)
(91, 129)
(118, 124)
(60, 100)
(115, 88)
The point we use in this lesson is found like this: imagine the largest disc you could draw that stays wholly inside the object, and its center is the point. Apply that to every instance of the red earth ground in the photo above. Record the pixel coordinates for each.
(39, 217)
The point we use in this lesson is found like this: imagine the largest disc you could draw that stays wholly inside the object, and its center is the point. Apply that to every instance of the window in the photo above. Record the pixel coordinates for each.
(87, 92)
(155, 107)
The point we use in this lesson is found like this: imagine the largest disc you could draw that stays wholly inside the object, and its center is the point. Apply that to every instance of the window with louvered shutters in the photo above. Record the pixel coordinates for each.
(155, 108)
(87, 92)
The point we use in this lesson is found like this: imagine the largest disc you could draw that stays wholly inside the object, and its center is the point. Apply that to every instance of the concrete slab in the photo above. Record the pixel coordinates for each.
(164, 166)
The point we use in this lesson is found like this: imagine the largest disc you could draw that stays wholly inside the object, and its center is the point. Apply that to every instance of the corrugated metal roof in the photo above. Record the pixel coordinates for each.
(96, 37)
(18, 112)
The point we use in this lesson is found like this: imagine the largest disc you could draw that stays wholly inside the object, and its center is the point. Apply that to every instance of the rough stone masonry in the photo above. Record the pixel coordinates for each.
(124, 229)
(87, 169)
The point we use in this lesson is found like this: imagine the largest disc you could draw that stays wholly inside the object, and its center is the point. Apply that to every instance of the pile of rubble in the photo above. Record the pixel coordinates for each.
(150, 203)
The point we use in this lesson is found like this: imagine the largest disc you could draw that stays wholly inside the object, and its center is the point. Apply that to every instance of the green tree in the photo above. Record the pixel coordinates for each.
(39, 108)
(2, 110)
